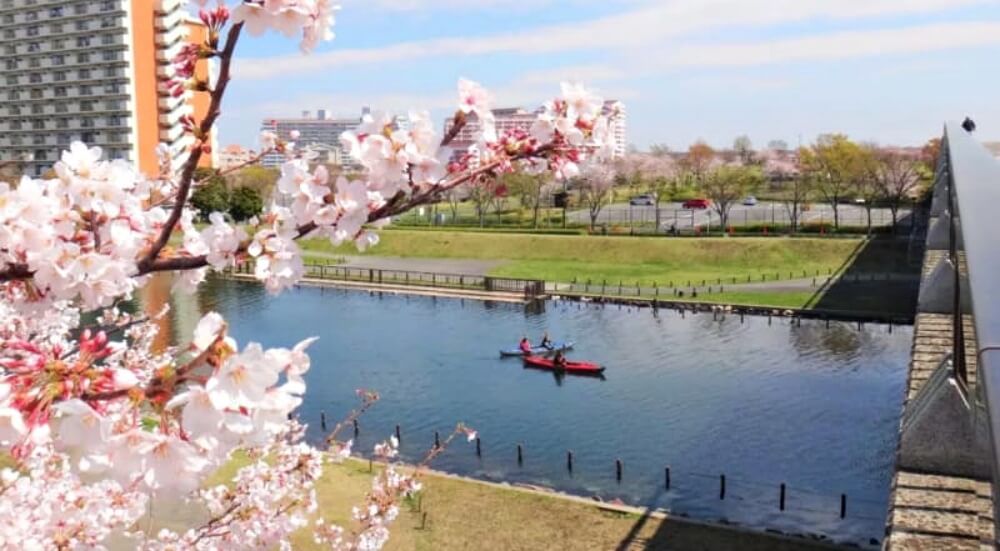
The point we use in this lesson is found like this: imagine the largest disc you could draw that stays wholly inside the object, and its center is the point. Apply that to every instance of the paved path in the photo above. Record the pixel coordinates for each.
(437, 265)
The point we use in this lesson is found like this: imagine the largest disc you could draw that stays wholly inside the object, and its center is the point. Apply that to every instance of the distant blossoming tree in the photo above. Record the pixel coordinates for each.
(102, 424)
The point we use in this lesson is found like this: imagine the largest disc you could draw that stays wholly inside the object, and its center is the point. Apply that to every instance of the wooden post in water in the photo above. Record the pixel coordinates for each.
(322, 420)
(722, 486)
(356, 428)
(569, 460)
(666, 477)
(479, 448)
(398, 439)
(520, 455)
(618, 470)
(437, 440)
(781, 498)
(843, 505)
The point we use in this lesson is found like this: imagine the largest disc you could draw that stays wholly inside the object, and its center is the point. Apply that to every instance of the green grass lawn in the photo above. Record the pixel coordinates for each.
(632, 260)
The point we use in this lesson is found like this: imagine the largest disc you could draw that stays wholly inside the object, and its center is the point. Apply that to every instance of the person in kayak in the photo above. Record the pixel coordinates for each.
(546, 341)
(559, 361)
(525, 346)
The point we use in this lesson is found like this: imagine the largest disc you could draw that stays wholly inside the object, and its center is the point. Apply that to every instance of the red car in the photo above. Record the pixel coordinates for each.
(696, 204)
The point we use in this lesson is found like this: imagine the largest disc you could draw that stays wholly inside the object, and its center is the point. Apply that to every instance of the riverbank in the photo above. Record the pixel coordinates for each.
(630, 260)
(453, 513)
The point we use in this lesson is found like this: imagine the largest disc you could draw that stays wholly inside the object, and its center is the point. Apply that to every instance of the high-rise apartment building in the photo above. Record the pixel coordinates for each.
(516, 118)
(320, 133)
(93, 71)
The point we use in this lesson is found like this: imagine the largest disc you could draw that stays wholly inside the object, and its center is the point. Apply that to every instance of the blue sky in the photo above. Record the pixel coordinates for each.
(888, 71)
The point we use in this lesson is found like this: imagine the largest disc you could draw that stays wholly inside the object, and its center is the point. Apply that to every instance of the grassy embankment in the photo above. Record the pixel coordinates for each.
(632, 260)
(467, 515)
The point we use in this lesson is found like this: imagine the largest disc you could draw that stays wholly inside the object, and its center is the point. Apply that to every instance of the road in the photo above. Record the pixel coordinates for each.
(764, 212)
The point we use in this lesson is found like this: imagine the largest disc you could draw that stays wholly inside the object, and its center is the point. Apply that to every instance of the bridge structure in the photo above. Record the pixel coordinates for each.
(944, 494)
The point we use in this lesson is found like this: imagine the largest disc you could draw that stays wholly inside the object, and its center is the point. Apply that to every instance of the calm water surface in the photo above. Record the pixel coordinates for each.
(763, 403)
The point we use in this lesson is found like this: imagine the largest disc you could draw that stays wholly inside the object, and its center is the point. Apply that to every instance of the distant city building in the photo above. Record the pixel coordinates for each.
(517, 118)
(235, 155)
(94, 71)
(318, 132)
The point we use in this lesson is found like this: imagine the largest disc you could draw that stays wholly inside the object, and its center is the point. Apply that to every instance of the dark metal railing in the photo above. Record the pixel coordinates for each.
(970, 177)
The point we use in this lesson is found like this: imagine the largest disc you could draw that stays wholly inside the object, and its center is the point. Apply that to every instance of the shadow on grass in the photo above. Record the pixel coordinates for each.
(882, 277)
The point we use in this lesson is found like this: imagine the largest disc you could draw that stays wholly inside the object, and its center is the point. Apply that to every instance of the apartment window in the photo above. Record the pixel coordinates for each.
(40, 154)
(61, 108)
(59, 76)
(15, 125)
(13, 110)
(115, 137)
(56, 11)
(34, 47)
(38, 124)
(33, 30)
(8, 18)
(88, 137)
(81, 24)
(83, 73)
(85, 90)
(31, 16)
(34, 62)
(58, 44)
(11, 79)
(107, 39)
(110, 72)
(36, 93)
(58, 59)
(115, 120)
(80, 8)
(15, 140)
(82, 41)
(87, 122)
(83, 57)
(107, 22)
(113, 105)
(10, 49)
(86, 106)
(37, 109)
(38, 139)
(107, 5)
(63, 139)
(109, 55)
(62, 123)
(112, 88)
(7, 3)
(60, 91)
(8, 33)
(13, 95)
(11, 64)
(35, 78)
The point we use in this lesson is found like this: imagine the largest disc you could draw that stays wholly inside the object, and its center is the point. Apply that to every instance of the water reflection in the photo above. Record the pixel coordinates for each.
(762, 403)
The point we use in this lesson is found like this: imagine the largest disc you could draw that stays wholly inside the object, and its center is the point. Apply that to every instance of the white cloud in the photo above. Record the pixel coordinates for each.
(833, 46)
(632, 31)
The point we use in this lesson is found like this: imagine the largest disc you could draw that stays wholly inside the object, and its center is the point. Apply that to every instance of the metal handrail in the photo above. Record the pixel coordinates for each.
(973, 187)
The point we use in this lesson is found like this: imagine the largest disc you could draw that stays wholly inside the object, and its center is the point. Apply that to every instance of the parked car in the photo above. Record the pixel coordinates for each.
(696, 204)
(646, 199)
(750, 200)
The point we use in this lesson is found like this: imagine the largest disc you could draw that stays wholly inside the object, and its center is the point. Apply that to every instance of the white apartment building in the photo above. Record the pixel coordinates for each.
(516, 118)
(320, 132)
(93, 71)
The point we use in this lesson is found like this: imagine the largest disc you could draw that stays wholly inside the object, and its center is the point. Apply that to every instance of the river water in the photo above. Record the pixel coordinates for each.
(761, 402)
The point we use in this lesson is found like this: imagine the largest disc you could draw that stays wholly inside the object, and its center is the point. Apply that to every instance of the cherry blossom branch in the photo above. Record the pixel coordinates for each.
(187, 175)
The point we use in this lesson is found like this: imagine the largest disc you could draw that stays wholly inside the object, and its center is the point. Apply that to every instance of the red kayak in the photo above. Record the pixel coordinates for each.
(570, 367)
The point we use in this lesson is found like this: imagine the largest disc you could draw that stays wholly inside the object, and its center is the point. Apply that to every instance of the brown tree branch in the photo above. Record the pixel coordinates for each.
(205, 127)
